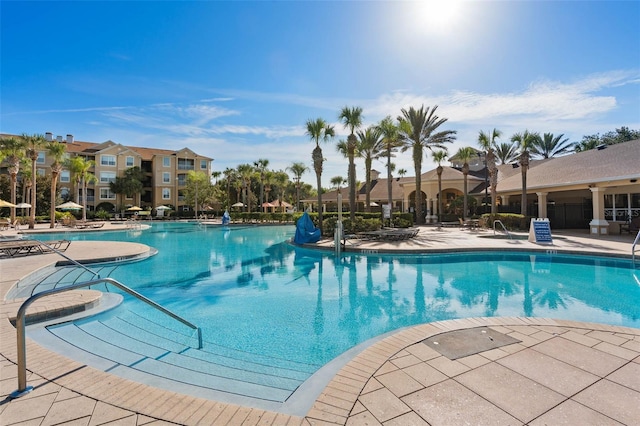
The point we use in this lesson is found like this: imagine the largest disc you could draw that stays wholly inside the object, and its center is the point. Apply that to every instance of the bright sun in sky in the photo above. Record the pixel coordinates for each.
(436, 15)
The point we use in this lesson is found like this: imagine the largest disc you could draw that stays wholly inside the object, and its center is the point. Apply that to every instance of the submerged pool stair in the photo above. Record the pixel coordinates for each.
(131, 346)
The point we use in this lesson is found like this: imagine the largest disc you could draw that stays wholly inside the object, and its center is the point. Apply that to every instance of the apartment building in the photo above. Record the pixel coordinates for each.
(165, 173)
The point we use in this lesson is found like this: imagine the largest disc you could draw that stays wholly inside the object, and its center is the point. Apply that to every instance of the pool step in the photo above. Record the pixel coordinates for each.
(132, 347)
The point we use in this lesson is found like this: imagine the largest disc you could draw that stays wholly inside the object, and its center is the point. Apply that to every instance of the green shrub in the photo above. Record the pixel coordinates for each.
(511, 221)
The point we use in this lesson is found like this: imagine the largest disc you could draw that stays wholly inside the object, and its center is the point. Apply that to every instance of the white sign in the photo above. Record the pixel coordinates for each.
(540, 231)
(386, 211)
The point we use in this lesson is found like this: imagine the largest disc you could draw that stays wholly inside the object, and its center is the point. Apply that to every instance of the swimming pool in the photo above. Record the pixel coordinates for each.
(260, 298)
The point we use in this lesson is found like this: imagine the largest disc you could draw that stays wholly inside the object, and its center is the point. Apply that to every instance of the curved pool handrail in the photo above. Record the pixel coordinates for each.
(633, 249)
(23, 389)
(503, 227)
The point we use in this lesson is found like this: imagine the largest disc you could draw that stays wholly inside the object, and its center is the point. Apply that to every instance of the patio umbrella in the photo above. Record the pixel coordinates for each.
(134, 209)
(237, 205)
(69, 205)
(163, 208)
(23, 206)
(4, 203)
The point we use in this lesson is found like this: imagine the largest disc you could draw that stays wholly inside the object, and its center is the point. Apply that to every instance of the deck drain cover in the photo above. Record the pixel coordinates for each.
(460, 343)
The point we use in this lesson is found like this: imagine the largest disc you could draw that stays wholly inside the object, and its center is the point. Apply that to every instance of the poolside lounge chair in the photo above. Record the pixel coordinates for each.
(25, 247)
(634, 225)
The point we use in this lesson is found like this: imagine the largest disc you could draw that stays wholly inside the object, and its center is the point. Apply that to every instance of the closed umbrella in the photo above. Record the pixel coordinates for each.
(4, 203)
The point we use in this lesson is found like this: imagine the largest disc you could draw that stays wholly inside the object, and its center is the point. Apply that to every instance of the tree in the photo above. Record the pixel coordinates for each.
(351, 118)
(229, 176)
(79, 167)
(280, 178)
(13, 150)
(465, 154)
(439, 156)
(623, 134)
(34, 142)
(56, 151)
(298, 169)
(370, 146)
(318, 130)
(402, 172)
(261, 167)
(130, 184)
(525, 141)
(418, 131)
(245, 171)
(390, 143)
(198, 189)
(550, 146)
(506, 152)
(487, 142)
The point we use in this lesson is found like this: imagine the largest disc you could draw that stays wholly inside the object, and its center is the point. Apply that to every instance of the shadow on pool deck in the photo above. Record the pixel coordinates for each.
(560, 372)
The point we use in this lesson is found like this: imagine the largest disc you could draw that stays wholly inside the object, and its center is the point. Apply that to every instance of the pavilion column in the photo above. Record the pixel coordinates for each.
(542, 204)
(599, 225)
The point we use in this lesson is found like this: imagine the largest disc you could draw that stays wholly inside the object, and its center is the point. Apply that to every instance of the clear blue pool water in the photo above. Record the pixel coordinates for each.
(250, 290)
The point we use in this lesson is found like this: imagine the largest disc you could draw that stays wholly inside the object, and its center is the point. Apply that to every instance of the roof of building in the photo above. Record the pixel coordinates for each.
(613, 162)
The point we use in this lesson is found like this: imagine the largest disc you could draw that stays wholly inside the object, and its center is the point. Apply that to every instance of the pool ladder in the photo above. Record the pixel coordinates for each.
(633, 249)
(503, 227)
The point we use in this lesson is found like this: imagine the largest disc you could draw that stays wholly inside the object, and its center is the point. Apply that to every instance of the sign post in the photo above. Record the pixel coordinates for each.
(540, 231)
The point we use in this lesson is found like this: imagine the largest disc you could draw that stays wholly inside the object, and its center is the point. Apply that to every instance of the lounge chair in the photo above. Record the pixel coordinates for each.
(26, 247)
(634, 225)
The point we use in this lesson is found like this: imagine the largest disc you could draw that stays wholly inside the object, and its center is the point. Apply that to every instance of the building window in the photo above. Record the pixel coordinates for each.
(185, 164)
(166, 177)
(107, 177)
(182, 180)
(107, 194)
(129, 161)
(64, 193)
(166, 162)
(65, 176)
(41, 157)
(166, 193)
(108, 160)
(40, 172)
(203, 164)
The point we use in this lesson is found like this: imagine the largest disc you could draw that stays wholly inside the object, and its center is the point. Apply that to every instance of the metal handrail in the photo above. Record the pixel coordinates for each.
(503, 227)
(20, 324)
(75, 262)
(633, 248)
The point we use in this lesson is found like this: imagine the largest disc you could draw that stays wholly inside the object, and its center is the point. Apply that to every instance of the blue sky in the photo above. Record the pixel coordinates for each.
(237, 81)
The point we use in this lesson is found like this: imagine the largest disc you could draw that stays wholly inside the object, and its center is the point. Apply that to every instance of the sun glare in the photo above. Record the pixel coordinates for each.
(437, 16)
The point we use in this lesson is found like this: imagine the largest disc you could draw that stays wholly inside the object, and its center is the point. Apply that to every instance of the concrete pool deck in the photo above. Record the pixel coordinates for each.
(558, 372)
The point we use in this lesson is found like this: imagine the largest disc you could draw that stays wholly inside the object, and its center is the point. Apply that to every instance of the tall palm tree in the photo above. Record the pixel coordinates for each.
(402, 172)
(487, 142)
(525, 141)
(35, 143)
(439, 156)
(351, 119)
(298, 169)
(506, 152)
(245, 171)
(318, 130)
(13, 150)
(261, 167)
(268, 180)
(229, 176)
(465, 154)
(390, 143)
(550, 146)
(418, 131)
(79, 167)
(56, 151)
(281, 179)
(370, 147)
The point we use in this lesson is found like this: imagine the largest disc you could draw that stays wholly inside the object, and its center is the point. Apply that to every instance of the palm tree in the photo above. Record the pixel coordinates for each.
(56, 151)
(390, 143)
(34, 143)
(487, 142)
(351, 118)
(317, 130)
(525, 142)
(216, 175)
(439, 156)
(79, 167)
(298, 169)
(506, 152)
(268, 180)
(13, 150)
(261, 166)
(418, 131)
(281, 179)
(550, 146)
(370, 147)
(229, 176)
(402, 172)
(245, 171)
(465, 154)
